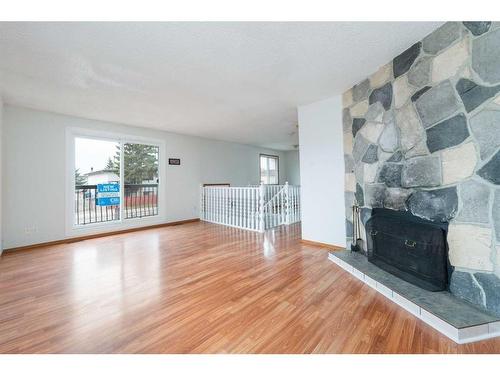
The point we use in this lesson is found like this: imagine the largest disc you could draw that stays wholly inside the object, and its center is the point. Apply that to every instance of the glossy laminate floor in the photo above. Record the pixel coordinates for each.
(200, 288)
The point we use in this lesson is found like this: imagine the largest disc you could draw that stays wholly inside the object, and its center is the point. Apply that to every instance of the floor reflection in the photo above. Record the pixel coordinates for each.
(269, 241)
(128, 272)
(268, 244)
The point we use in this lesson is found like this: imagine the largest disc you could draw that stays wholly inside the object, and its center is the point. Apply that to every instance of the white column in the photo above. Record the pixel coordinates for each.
(1, 140)
(321, 198)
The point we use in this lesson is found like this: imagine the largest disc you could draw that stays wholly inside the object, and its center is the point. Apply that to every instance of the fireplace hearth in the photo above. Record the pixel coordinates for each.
(409, 247)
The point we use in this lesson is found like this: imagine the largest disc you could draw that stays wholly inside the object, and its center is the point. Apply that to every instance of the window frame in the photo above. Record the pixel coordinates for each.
(73, 229)
(277, 167)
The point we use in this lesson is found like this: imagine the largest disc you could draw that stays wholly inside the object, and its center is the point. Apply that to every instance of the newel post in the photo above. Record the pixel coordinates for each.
(287, 203)
(262, 193)
(202, 202)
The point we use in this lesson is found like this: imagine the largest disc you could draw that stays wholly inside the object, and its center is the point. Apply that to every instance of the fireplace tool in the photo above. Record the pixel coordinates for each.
(356, 244)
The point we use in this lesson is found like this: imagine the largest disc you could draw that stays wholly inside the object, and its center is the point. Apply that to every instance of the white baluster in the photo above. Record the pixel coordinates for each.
(254, 208)
(295, 204)
(215, 204)
(235, 207)
(278, 208)
(242, 208)
(212, 210)
(250, 192)
(226, 214)
(223, 205)
(238, 207)
(219, 205)
(232, 207)
(272, 204)
(282, 206)
(240, 193)
(209, 204)
(250, 207)
(247, 206)
(262, 192)
(298, 204)
(229, 192)
(275, 210)
(287, 203)
(296, 198)
(201, 203)
(228, 206)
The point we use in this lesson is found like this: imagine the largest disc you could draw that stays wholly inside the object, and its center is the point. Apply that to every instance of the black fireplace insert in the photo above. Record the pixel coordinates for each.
(409, 247)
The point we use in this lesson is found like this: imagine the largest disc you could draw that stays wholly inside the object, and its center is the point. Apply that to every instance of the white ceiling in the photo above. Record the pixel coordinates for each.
(232, 81)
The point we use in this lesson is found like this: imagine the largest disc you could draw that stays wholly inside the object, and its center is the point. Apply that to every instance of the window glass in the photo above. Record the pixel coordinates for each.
(96, 168)
(140, 169)
(99, 188)
(269, 169)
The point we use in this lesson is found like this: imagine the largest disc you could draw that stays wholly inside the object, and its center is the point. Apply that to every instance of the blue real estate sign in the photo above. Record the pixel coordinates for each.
(108, 194)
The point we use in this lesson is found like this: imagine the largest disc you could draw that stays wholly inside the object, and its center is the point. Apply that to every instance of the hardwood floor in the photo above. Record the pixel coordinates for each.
(200, 288)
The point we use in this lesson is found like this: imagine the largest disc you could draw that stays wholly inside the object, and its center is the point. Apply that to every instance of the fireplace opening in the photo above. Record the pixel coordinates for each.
(409, 247)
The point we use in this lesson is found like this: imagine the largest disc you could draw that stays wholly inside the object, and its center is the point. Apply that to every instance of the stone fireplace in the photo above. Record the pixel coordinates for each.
(422, 136)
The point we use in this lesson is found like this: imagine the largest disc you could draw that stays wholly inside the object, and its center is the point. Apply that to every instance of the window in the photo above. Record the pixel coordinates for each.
(269, 169)
(140, 175)
(114, 180)
(97, 162)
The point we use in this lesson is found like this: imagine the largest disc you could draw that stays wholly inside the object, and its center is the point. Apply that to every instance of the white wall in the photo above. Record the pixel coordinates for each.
(1, 150)
(292, 167)
(34, 165)
(322, 172)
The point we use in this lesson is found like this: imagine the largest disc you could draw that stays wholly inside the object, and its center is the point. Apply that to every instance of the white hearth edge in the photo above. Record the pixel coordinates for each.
(459, 335)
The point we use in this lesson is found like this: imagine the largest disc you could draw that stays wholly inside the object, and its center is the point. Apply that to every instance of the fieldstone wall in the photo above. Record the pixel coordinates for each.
(423, 134)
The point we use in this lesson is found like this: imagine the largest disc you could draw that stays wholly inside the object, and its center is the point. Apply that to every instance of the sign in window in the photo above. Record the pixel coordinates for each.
(108, 194)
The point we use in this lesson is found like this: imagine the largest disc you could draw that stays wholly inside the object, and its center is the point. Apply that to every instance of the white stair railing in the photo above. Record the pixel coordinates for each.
(255, 208)
(233, 206)
(293, 205)
(275, 210)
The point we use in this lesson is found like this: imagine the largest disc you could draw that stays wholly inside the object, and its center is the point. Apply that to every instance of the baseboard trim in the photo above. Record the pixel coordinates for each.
(98, 235)
(323, 245)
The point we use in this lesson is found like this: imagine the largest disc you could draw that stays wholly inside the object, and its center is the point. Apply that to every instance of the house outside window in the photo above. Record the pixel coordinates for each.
(269, 169)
